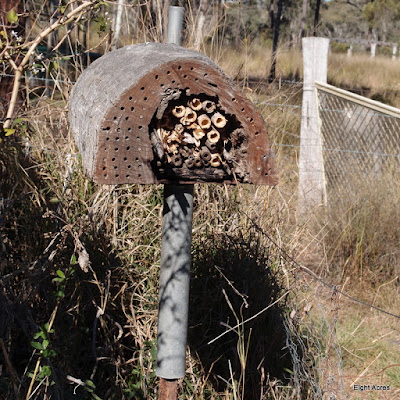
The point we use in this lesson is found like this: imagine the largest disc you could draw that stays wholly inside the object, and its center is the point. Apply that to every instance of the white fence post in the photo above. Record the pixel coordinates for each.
(311, 170)
(373, 49)
(394, 51)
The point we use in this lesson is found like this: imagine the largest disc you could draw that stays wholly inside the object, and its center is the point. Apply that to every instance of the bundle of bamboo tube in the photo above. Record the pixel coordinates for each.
(192, 133)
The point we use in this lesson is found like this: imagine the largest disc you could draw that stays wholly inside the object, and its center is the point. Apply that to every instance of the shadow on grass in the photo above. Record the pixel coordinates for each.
(232, 280)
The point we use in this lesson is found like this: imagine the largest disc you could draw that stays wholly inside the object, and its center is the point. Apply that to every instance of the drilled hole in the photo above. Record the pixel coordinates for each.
(173, 81)
(107, 138)
(156, 77)
(127, 176)
(113, 159)
(233, 99)
(122, 108)
(191, 68)
(127, 137)
(108, 128)
(130, 98)
(205, 74)
(140, 116)
(129, 129)
(115, 118)
(116, 175)
(132, 108)
(145, 98)
(105, 176)
(126, 118)
(125, 159)
(142, 88)
(168, 72)
(117, 138)
(139, 175)
(137, 159)
(129, 166)
(179, 67)
(116, 149)
(212, 84)
(162, 85)
(128, 148)
(185, 76)
(256, 133)
(251, 119)
(242, 109)
(115, 167)
(196, 79)
(104, 168)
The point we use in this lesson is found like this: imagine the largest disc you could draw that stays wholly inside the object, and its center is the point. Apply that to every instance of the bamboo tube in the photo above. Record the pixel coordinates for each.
(211, 146)
(218, 120)
(179, 128)
(178, 111)
(184, 151)
(176, 160)
(195, 104)
(205, 154)
(198, 133)
(189, 163)
(208, 106)
(215, 160)
(213, 136)
(190, 115)
(197, 162)
(204, 121)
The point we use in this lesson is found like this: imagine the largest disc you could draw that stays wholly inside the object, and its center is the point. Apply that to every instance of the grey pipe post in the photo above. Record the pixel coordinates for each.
(175, 261)
(175, 24)
(174, 281)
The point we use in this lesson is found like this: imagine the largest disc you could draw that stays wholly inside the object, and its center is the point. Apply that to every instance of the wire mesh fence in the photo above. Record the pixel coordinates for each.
(360, 140)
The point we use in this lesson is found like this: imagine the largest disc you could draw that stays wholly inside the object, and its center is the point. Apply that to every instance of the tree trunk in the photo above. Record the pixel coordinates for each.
(275, 40)
(316, 16)
(200, 24)
(117, 24)
(304, 10)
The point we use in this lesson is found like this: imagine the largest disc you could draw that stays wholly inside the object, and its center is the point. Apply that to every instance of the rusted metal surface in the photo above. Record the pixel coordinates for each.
(125, 148)
(168, 389)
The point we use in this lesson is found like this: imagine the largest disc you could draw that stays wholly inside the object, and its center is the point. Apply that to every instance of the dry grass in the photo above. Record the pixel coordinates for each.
(106, 242)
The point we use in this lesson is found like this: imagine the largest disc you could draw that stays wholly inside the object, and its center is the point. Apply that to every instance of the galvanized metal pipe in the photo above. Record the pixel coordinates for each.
(175, 24)
(174, 281)
(175, 266)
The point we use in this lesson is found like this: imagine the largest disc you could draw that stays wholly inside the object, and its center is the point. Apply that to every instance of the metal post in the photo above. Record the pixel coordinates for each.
(175, 24)
(175, 266)
(174, 281)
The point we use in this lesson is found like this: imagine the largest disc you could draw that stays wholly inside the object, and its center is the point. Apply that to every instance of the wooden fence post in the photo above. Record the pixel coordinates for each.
(311, 170)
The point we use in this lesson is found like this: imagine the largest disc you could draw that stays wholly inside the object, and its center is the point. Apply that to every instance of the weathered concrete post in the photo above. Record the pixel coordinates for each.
(373, 49)
(311, 170)
(350, 51)
(394, 51)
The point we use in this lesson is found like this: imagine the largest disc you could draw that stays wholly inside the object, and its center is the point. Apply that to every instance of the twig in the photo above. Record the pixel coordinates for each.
(366, 369)
(32, 47)
(10, 368)
(249, 319)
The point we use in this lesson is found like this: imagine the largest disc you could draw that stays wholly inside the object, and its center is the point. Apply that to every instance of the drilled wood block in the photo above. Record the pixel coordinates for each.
(160, 113)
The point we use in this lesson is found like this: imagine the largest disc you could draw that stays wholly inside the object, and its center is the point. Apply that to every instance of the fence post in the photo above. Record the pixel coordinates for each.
(394, 51)
(311, 170)
(373, 49)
